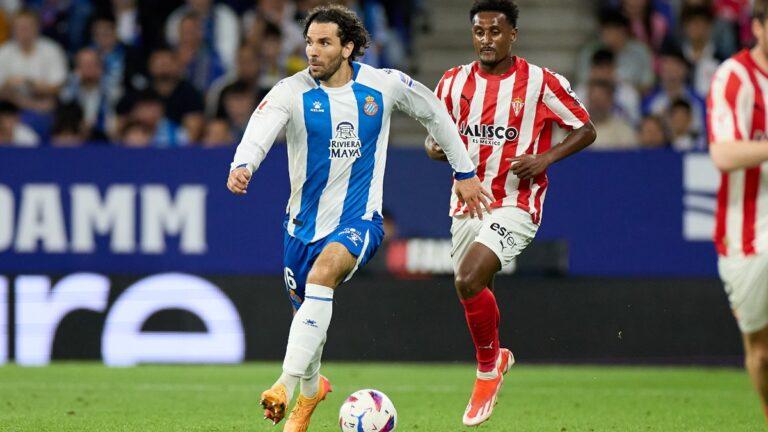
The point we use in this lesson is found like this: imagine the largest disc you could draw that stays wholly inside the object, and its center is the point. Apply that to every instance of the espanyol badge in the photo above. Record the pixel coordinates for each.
(371, 107)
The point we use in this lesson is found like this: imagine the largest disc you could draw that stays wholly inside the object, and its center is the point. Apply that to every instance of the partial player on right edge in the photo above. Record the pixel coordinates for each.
(736, 121)
(505, 109)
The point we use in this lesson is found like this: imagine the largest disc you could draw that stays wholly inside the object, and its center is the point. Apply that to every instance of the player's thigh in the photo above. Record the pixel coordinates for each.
(464, 231)
(756, 342)
(746, 283)
(297, 262)
(507, 232)
(332, 265)
(361, 239)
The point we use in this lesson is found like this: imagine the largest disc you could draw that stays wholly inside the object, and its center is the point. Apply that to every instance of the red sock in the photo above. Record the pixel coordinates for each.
(483, 321)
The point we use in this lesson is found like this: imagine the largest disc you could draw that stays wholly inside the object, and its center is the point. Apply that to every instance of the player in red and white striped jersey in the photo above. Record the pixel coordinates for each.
(505, 109)
(737, 118)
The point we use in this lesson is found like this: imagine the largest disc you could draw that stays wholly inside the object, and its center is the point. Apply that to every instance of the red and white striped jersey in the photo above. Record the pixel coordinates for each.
(508, 115)
(736, 112)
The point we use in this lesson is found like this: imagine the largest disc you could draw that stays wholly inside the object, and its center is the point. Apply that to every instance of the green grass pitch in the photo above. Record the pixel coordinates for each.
(429, 397)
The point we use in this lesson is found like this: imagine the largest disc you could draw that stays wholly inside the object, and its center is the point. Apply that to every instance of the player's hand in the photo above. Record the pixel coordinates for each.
(473, 194)
(238, 181)
(529, 166)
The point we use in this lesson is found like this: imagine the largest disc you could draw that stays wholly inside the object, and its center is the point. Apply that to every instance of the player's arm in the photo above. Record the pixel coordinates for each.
(420, 103)
(433, 150)
(431, 146)
(735, 155)
(566, 109)
(729, 145)
(264, 125)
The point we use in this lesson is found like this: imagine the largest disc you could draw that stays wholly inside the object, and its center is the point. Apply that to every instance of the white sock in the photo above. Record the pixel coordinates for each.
(289, 381)
(310, 382)
(488, 375)
(308, 330)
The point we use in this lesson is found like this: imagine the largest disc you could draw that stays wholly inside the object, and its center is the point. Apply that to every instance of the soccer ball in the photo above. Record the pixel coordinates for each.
(368, 411)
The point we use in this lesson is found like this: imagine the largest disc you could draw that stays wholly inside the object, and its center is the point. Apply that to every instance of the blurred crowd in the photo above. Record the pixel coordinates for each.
(168, 73)
(646, 76)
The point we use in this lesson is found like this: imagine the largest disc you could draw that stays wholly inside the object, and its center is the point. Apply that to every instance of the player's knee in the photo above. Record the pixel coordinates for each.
(467, 286)
(324, 275)
(757, 357)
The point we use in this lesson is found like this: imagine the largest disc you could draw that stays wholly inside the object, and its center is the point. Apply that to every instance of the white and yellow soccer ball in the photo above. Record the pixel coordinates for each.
(368, 411)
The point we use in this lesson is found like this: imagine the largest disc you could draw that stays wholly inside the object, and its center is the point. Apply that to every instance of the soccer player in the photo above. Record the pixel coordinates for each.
(505, 109)
(336, 113)
(737, 144)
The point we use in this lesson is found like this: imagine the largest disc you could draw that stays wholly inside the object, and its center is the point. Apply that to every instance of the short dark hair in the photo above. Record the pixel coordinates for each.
(696, 11)
(760, 10)
(237, 88)
(507, 7)
(351, 29)
(673, 50)
(272, 30)
(603, 57)
(68, 117)
(8, 108)
(680, 103)
(612, 18)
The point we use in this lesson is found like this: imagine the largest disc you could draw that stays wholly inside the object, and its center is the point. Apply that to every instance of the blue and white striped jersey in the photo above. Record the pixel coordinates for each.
(337, 142)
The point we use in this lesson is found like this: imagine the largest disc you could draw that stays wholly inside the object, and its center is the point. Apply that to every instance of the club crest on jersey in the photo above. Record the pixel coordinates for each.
(517, 106)
(352, 235)
(488, 135)
(371, 107)
(345, 144)
(317, 107)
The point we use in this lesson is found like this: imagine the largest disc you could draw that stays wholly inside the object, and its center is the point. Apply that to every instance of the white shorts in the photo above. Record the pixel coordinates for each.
(746, 283)
(506, 231)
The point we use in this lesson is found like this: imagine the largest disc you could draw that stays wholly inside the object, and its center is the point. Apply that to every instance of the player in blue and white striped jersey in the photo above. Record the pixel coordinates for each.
(337, 116)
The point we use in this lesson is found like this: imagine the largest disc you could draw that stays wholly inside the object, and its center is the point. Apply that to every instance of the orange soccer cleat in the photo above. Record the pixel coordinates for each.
(486, 391)
(274, 401)
(298, 421)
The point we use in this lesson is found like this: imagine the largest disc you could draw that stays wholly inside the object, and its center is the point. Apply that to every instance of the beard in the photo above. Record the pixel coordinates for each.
(327, 73)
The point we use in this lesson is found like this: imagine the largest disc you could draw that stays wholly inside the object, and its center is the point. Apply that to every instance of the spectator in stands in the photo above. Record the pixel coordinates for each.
(247, 70)
(614, 131)
(281, 14)
(221, 28)
(201, 64)
(127, 21)
(673, 84)
(303, 7)
(626, 97)
(110, 50)
(66, 22)
(33, 68)
(148, 109)
(124, 65)
(386, 48)
(633, 59)
(69, 128)
(135, 134)
(698, 46)
(182, 103)
(239, 103)
(273, 69)
(87, 88)
(653, 133)
(647, 24)
(12, 130)
(217, 134)
(683, 136)
(725, 17)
